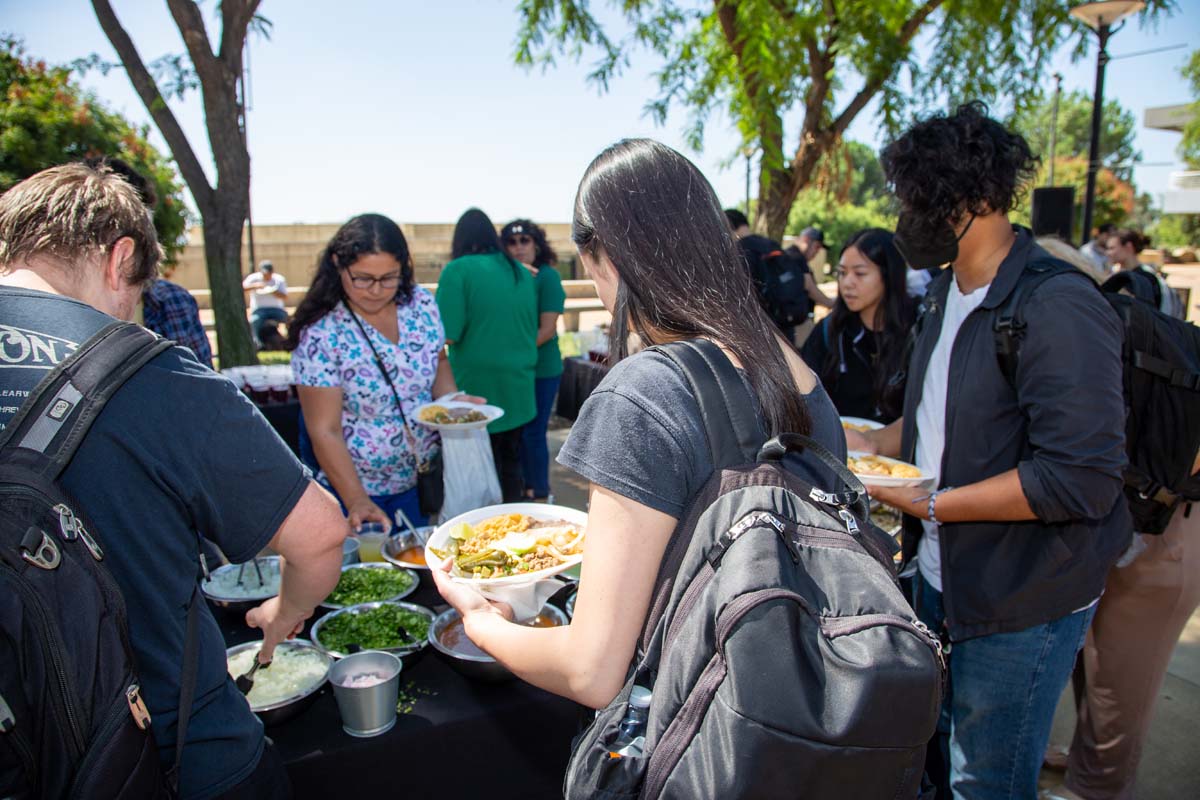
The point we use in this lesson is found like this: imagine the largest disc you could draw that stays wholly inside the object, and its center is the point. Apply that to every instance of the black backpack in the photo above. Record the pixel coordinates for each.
(783, 659)
(779, 278)
(1161, 356)
(72, 722)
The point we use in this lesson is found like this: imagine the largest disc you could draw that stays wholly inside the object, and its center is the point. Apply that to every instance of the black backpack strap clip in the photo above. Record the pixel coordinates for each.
(1008, 324)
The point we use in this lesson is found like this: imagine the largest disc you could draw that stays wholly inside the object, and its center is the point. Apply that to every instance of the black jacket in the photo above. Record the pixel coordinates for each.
(1061, 427)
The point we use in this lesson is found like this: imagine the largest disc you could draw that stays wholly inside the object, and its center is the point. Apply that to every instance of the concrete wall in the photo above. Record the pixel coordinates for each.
(294, 250)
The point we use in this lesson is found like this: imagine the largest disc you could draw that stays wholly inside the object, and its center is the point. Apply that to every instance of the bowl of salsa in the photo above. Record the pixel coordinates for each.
(406, 548)
(449, 638)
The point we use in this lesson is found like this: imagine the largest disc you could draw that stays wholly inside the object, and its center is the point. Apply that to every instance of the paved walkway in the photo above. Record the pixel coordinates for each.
(1170, 768)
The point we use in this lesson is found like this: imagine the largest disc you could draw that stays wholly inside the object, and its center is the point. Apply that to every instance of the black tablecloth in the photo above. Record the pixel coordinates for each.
(580, 377)
(462, 739)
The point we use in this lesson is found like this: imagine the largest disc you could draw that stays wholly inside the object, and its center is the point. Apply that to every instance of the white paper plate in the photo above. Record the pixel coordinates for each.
(493, 413)
(523, 592)
(882, 480)
(869, 424)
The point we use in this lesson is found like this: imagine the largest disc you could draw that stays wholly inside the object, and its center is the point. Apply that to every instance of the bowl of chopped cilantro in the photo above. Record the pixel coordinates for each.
(371, 583)
(395, 627)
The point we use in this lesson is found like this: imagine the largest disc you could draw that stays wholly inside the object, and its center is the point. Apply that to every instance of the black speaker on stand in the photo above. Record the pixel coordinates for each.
(1053, 212)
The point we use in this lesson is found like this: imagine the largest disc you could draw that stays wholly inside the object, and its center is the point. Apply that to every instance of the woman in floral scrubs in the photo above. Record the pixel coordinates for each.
(364, 295)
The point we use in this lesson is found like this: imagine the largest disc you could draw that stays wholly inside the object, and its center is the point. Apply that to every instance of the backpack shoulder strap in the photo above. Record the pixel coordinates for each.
(51, 423)
(1008, 323)
(726, 407)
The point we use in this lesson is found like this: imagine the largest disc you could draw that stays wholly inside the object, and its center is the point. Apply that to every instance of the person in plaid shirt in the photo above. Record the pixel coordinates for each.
(170, 311)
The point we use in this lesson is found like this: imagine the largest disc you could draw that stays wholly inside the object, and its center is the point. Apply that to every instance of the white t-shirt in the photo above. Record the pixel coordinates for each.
(931, 417)
(265, 289)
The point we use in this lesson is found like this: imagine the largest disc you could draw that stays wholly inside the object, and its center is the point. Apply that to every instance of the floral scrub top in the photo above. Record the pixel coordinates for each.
(332, 352)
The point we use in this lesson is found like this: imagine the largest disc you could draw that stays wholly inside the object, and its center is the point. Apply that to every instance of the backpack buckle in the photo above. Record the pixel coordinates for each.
(39, 549)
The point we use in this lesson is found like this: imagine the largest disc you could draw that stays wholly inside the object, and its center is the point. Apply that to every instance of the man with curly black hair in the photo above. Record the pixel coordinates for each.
(1009, 551)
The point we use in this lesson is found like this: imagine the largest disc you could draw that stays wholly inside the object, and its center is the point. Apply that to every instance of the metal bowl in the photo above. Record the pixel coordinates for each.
(409, 652)
(570, 604)
(239, 604)
(397, 543)
(282, 710)
(412, 587)
(481, 668)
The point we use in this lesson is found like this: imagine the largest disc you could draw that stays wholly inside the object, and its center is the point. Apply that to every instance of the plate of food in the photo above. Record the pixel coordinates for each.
(859, 424)
(457, 415)
(511, 552)
(875, 470)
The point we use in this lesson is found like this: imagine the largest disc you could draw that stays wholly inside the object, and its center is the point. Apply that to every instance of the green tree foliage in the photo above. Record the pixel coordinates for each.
(1115, 198)
(1117, 131)
(1183, 230)
(816, 64)
(46, 119)
(1189, 148)
(838, 220)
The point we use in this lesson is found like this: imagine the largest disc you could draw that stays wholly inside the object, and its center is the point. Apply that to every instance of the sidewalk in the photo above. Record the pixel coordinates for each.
(1170, 767)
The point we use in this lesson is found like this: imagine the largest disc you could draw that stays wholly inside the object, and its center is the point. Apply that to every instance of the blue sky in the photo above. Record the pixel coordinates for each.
(415, 110)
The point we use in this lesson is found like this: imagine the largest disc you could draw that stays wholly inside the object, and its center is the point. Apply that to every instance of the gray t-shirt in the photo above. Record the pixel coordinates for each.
(640, 435)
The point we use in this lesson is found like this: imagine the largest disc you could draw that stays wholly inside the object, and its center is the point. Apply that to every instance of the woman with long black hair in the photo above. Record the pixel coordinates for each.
(366, 347)
(488, 302)
(857, 348)
(651, 233)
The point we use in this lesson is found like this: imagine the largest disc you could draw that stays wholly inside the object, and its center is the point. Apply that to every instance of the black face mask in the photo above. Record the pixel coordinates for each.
(925, 245)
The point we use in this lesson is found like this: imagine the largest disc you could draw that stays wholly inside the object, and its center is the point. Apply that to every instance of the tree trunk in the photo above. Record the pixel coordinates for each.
(223, 260)
(780, 188)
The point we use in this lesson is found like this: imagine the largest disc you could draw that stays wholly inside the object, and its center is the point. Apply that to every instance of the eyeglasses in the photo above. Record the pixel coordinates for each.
(510, 241)
(367, 282)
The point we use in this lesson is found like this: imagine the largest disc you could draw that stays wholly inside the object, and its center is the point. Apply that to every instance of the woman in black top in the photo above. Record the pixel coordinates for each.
(650, 231)
(857, 349)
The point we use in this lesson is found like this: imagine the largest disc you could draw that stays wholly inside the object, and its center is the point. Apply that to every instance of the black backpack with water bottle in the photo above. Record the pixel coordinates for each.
(780, 656)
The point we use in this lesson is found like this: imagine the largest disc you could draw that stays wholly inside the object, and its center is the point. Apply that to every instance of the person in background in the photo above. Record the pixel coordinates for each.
(1096, 249)
(366, 346)
(756, 248)
(857, 349)
(268, 299)
(1122, 247)
(178, 452)
(811, 243)
(527, 243)
(489, 306)
(650, 232)
(168, 309)
(1027, 512)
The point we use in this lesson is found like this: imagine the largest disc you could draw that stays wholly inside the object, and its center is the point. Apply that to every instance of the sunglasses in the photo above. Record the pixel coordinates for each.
(366, 281)
(521, 239)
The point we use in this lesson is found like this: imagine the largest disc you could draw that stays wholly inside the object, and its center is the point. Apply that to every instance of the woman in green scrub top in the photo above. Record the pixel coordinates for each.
(526, 242)
(489, 308)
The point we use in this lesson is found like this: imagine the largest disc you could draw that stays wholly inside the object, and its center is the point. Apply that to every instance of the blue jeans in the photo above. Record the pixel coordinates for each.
(1000, 699)
(259, 316)
(535, 455)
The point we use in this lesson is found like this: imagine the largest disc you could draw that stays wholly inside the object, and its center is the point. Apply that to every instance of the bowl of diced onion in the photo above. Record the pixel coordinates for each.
(289, 685)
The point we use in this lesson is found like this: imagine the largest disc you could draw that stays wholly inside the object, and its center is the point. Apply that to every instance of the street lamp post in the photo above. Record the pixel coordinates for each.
(1100, 17)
